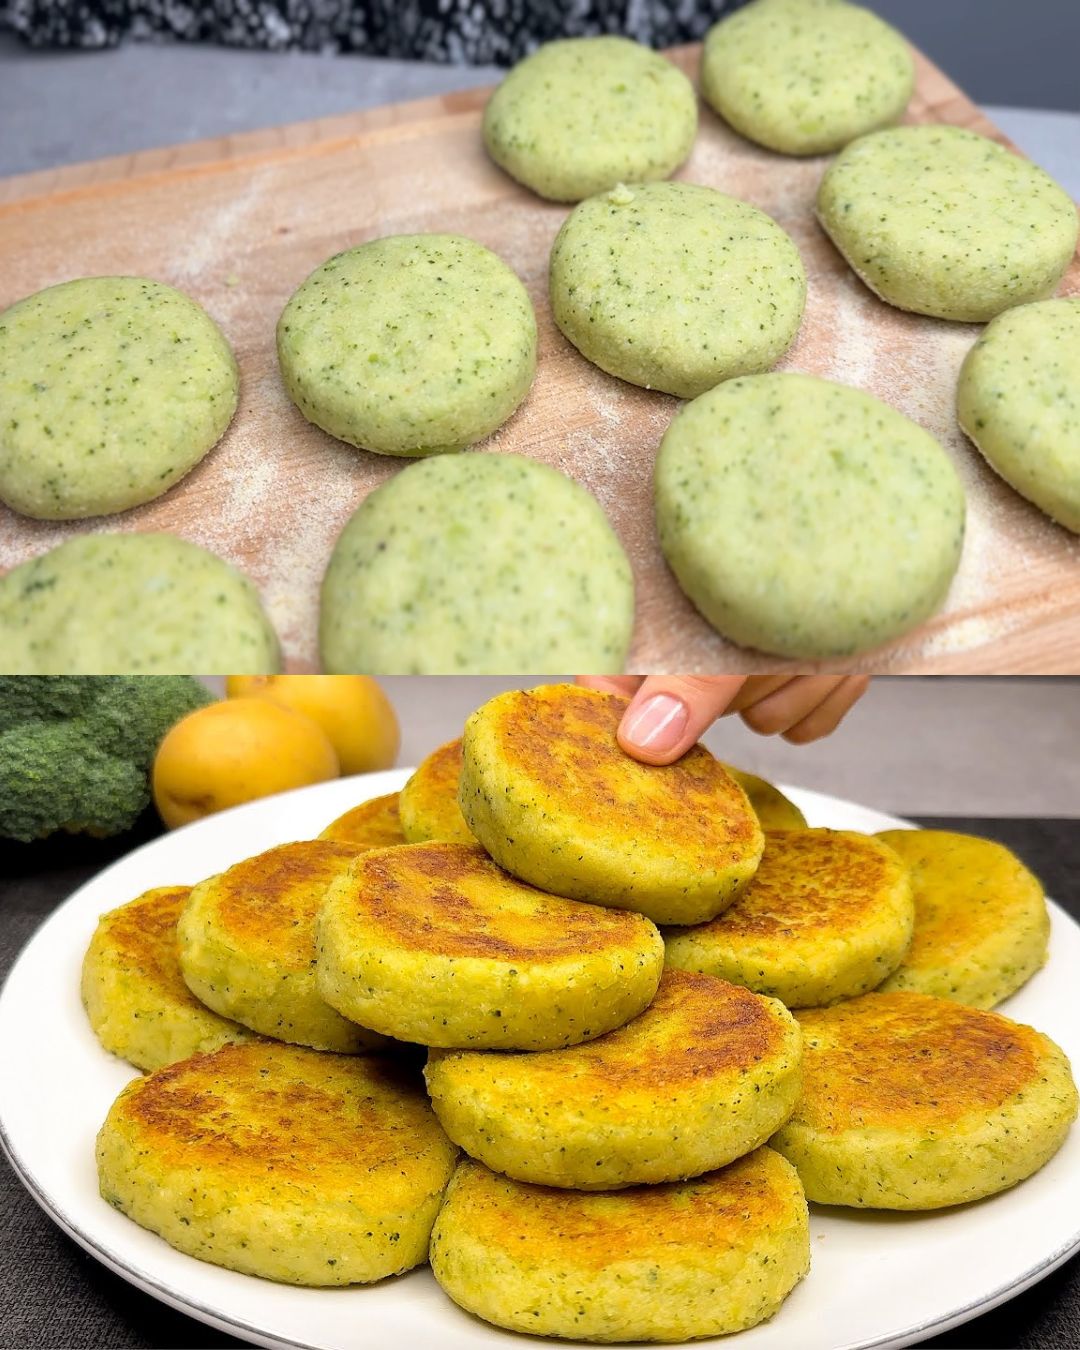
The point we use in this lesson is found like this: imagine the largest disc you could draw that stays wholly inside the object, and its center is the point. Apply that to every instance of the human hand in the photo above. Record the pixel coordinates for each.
(670, 713)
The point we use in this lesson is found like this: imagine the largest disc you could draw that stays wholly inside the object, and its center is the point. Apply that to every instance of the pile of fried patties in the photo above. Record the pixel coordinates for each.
(531, 1021)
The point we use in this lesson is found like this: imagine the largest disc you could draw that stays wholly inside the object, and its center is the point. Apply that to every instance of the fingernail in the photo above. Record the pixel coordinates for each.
(658, 725)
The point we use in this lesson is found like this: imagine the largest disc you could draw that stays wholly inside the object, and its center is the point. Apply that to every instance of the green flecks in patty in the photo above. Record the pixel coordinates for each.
(409, 345)
(582, 114)
(132, 603)
(806, 518)
(942, 221)
(477, 563)
(1019, 401)
(676, 287)
(113, 388)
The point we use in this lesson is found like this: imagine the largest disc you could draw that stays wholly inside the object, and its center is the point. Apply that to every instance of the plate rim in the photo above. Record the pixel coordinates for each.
(132, 1274)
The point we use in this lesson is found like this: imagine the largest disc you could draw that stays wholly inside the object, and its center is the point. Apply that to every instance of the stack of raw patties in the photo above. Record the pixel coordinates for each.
(600, 957)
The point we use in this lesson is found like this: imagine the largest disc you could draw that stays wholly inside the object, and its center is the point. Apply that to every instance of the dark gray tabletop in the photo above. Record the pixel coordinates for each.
(52, 1294)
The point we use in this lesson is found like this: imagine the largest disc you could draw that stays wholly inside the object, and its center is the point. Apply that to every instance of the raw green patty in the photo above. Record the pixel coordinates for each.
(676, 287)
(806, 518)
(942, 221)
(111, 390)
(132, 604)
(806, 76)
(580, 115)
(1019, 401)
(478, 564)
(409, 345)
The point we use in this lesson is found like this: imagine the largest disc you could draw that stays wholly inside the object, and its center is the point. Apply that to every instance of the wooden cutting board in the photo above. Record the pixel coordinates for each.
(238, 222)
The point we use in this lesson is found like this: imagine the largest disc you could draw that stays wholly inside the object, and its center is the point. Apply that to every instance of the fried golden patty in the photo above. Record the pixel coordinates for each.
(705, 1074)
(434, 943)
(981, 922)
(133, 992)
(653, 1263)
(828, 915)
(373, 824)
(773, 810)
(247, 944)
(551, 796)
(281, 1162)
(429, 800)
(915, 1102)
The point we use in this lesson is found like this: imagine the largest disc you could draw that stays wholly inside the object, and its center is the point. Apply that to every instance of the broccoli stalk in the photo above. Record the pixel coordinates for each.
(76, 751)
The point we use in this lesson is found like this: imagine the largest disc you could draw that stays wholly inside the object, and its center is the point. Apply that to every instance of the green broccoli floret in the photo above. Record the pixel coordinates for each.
(76, 751)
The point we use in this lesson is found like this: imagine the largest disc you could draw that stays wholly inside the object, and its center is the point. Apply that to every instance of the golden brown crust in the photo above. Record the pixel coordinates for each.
(430, 799)
(708, 1213)
(263, 1110)
(143, 936)
(696, 1028)
(910, 1061)
(373, 824)
(811, 880)
(966, 889)
(270, 902)
(452, 900)
(710, 1027)
(563, 739)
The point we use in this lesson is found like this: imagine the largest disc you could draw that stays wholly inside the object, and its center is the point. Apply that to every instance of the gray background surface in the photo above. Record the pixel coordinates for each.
(931, 746)
(60, 107)
(1020, 52)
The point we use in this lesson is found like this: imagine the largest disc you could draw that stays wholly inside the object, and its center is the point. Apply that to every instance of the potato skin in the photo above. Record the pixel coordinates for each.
(964, 1103)
(281, 1162)
(704, 1075)
(554, 800)
(655, 1263)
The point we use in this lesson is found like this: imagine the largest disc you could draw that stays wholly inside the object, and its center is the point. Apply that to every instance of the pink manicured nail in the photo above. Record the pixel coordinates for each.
(658, 725)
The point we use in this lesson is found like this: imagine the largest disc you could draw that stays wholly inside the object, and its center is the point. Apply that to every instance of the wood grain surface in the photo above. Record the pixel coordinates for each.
(238, 222)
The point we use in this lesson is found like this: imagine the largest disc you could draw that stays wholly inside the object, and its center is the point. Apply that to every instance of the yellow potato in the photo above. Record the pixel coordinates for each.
(357, 717)
(233, 752)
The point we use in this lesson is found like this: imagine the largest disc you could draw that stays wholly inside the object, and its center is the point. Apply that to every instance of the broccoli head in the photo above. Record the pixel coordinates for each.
(76, 751)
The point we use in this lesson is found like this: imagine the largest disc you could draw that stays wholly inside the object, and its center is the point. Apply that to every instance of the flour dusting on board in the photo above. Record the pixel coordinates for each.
(275, 493)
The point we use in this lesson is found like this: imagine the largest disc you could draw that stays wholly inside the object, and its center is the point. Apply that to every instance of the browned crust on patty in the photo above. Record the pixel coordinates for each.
(452, 900)
(910, 1061)
(270, 902)
(373, 824)
(562, 739)
(540, 1223)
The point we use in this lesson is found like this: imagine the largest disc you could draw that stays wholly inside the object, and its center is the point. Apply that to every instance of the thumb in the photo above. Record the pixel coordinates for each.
(669, 714)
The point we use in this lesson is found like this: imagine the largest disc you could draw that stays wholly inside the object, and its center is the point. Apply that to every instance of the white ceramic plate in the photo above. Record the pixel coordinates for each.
(877, 1279)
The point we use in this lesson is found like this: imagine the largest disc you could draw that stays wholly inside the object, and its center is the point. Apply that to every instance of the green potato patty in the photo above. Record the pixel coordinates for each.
(706, 1073)
(280, 1162)
(653, 1263)
(112, 389)
(806, 518)
(477, 564)
(676, 287)
(414, 344)
(805, 77)
(1019, 401)
(942, 221)
(579, 115)
(132, 604)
